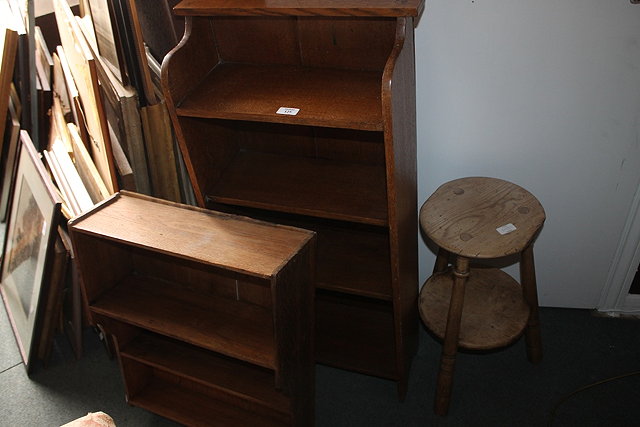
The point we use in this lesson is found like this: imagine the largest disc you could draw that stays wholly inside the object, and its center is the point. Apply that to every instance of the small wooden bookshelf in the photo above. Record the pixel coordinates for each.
(200, 306)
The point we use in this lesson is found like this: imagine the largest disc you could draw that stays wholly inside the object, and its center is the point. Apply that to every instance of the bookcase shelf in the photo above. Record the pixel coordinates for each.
(199, 306)
(233, 328)
(325, 97)
(344, 165)
(242, 380)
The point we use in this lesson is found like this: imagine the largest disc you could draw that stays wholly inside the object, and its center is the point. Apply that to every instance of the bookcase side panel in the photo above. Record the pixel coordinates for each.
(294, 317)
(190, 61)
(400, 139)
(182, 68)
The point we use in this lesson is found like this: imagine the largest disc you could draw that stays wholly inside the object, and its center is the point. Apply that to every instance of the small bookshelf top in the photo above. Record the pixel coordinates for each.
(232, 242)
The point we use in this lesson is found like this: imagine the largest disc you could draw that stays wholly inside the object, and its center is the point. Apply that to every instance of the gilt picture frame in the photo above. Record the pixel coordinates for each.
(30, 233)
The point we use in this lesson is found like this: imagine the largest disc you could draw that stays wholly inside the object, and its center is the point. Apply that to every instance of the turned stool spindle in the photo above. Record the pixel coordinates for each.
(480, 308)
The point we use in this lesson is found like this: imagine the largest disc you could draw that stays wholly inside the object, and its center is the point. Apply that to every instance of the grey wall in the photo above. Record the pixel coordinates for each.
(546, 94)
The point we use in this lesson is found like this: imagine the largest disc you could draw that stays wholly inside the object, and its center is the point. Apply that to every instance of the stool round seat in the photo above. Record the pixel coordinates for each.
(481, 217)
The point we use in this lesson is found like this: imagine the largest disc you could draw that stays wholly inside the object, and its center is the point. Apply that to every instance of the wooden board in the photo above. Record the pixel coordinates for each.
(82, 66)
(160, 151)
(12, 133)
(8, 47)
(121, 107)
(332, 98)
(259, 247)
(86, 168)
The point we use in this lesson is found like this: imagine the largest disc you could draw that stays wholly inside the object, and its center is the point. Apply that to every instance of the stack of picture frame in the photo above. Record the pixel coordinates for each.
(83, 120)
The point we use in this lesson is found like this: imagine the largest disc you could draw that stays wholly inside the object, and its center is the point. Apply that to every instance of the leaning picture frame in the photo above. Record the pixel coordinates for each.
(29, 238)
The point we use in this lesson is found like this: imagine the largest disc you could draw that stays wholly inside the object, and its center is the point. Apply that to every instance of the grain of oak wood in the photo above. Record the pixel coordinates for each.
(258, 247)
(462, 216)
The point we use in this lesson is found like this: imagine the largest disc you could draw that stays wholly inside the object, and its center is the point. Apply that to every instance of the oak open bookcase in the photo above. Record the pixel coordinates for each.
(211, 314)
(303, 113)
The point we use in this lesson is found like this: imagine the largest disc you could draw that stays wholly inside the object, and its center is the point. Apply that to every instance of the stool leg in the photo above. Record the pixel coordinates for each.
(450, 346)
(442, 261)
(530, 292)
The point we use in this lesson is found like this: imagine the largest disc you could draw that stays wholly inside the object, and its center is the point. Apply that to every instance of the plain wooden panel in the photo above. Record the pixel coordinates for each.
(97, 275)
(360, 147)
(257, 40)
(8, 48)
(399, 111)
(202, 278)
(354, 261)
(337, 42)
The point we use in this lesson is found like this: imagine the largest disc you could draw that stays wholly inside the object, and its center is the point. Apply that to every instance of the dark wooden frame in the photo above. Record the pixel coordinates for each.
(32, 181)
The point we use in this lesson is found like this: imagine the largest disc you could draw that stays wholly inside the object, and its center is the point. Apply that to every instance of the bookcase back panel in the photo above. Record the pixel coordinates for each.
(343, 43)
(346, 43)
(99, 258)
(361, 147)
(257, 40)
(221, 140)
(218, 144)
(202, 280)
(117, 261)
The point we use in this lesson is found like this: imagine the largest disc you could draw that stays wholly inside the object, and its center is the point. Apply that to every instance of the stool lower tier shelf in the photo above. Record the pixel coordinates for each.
(495, 313)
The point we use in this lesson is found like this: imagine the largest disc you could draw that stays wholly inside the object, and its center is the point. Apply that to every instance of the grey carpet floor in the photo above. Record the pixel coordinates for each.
(499, 388)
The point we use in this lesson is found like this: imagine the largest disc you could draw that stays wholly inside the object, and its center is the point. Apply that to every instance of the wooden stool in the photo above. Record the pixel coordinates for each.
(480, 308)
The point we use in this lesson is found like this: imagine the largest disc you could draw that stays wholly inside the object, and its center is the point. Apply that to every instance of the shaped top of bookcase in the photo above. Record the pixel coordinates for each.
(389, 8)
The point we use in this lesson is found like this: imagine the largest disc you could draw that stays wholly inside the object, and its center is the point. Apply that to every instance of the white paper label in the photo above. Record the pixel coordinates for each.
(505, 229)
(289, 111)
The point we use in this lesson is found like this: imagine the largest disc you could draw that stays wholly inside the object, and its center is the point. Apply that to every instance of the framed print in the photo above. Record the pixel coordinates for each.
(9, 154)
(26, 263)
(102, 16)
(8, 47)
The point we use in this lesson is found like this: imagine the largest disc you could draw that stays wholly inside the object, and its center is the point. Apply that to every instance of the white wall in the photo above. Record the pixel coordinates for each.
(546, 94)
